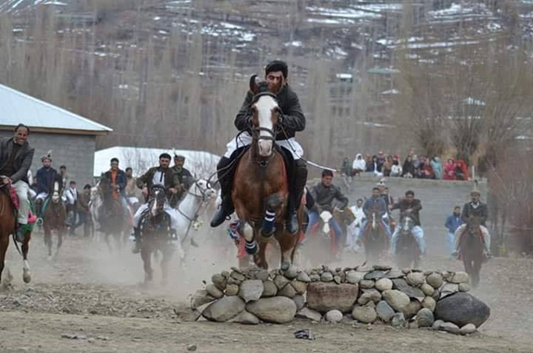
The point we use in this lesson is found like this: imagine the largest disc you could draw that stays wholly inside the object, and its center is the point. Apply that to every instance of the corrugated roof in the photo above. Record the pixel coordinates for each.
(140, 159)
(18, 107)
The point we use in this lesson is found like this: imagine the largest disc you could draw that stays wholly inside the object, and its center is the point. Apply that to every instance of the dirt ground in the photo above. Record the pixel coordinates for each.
(89, 300)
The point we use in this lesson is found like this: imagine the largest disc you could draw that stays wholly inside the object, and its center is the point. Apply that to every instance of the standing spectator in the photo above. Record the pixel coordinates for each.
(437, 168)
(84, 213)
(65, 178)
(452, 223)
(449, 170)
(408, 169)
(359, 165)
(461, 170)
(396, 169)
(346, 168)
(71, 194)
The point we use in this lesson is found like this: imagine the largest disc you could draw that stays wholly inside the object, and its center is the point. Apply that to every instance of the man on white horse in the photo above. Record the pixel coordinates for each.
(16, 156)
(163, 176)
(292, 120)
(46, 178)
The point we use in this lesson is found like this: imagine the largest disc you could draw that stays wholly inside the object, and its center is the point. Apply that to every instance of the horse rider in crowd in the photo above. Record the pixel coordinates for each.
(324, 193)
(292, 120)
(411, 207)
(185, 177)
(131, 188)
(374, 204)
(472, 210)
(16, 156)
(117, 179)
(162, 176)
(46, 178)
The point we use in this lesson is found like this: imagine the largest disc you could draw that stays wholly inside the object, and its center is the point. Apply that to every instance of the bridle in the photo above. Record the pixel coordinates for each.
(204, 199)
(256, 130)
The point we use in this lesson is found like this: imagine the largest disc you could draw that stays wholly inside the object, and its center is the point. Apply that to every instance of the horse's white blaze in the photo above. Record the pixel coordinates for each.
(265, 106)
(248, 232)
(374, 225)
(406, 222)
(154, 206)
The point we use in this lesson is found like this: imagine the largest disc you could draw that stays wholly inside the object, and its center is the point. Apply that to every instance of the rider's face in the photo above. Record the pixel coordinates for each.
(21, 135)
(327, 180)
(275, 81)
(178, 162)
(409, 197)
(375, 193)
(164, 162)
(114, 165)
(457, 211)
(475, 198)
(47, 163)
(359, 203)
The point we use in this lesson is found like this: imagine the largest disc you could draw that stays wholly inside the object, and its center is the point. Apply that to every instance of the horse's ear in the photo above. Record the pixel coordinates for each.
(254, 84)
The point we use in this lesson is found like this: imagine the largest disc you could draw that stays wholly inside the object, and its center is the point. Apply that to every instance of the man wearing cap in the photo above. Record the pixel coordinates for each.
(276, 73)
(46, 177)
(474, 209)
(185, 178)
(162, 176)
(118, 180)
(84, 210)
(16, 156)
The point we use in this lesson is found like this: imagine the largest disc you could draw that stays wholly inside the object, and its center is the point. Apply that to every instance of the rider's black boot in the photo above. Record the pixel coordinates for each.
(38, 210)
(137, 244)
(300, 180)
(225, 177)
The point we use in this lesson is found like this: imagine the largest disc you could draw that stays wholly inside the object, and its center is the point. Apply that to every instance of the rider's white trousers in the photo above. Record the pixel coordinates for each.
(245, 139)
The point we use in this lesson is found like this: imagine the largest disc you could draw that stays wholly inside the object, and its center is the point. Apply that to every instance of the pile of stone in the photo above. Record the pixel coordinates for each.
(402, 298)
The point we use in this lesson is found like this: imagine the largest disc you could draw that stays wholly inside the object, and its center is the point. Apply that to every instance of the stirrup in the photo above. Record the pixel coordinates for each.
(39, 221)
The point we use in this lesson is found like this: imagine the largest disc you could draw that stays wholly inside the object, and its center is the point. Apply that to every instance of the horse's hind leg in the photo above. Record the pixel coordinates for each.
(59, 240)
(260, 257)
(26, 273)
(476, 270)
(146, 256)
(167, 255)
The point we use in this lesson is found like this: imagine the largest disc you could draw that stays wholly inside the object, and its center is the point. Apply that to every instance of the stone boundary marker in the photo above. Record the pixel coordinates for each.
(401, 298)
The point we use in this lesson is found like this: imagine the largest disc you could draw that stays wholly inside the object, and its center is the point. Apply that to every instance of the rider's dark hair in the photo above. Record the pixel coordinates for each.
(21, 125)
(326, 173)
(87, 186)
(277, 65)
(63, 167)
(375, 188)
(72, 182)
(114, 159)
(129, 168)
(410, 192)
(457, 207)
(165, 155)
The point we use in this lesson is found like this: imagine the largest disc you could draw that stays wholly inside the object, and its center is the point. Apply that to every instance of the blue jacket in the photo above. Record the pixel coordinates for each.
(453, 222)
(375, 204)
(121, 180)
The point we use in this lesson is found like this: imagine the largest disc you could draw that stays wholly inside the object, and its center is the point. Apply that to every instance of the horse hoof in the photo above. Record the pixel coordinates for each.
(26, 278)
(285, 265)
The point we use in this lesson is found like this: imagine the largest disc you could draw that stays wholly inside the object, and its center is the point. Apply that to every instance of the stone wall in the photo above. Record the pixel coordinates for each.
(402, 298)
(74, 151)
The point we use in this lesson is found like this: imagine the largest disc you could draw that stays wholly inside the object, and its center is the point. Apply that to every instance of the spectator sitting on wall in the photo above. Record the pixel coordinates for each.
(358, 165)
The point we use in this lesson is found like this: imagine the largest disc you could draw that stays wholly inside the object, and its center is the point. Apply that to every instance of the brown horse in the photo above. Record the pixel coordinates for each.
(261, 189)
(471, 250)
(54, 218)
(344, 218)
(113, 218)
(375, 239)
(7, 227)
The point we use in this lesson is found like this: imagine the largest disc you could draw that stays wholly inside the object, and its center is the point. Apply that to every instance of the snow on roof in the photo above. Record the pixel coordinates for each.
(201, 163)
(19, 108)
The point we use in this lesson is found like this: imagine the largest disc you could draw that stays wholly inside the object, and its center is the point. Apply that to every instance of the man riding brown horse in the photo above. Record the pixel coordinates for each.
(16, 156)
(291, 120)
(46, 177)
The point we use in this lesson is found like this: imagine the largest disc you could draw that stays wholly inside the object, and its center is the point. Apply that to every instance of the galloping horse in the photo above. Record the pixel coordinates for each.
(155, 226)
(112, 217)
(407, 250)
(7, 227)
(54, 218)
(319, 246)
(261, 188)
(374, 238)
(344, 218)
(471, 250)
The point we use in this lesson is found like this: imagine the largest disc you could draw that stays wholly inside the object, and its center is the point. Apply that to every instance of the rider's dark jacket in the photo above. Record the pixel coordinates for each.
(324, 196)
(20, 163)
(293, 116)
(375, 204)
(171, 179)
(121, 180)
(404, 205)
(46, 177)
(481, 212)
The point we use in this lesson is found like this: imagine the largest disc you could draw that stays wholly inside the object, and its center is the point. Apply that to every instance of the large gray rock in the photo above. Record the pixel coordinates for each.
(324, 297)
(303, 277)
(435, 280)
(300, 287)
(334, 316)
(427, 289)
(199, 298)
(425, 318)
(287, 291)
(384, 311)
(367, 284)
(369, 295)
(364, 314)
(412, 292)
(306, 313)
(269, 289)
(464, 287)
(396, 299)
(415, 279)
(232, 289)
(246, 318)
(383, 284)
(429, 303)
(354, 277)
(374, 275)
(462, 309)
(278, 310)
(213, 291)
(224, 309)
(251, 290)
(219, 281)
(292, 272)
(460, 277)
(326, 277)
(280, 281)
(450, 327)
(262, 275)
(394, 273)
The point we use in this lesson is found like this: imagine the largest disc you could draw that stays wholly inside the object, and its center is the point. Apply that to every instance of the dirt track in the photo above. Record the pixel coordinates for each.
(90, 293)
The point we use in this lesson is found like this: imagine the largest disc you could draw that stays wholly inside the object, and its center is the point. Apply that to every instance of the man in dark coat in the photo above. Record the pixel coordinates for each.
(324, 193)
(162, 176)
(16, 156)
(410, 206)
(276, 73)
(185, 179)
(118, 179)
(46, 178)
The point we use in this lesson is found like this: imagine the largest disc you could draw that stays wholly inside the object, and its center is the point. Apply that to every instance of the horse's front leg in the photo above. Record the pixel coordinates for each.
(4, 243)
(26, 273)
(287, 243)
(146, 255)
(273, 208)
(59, 239)
(48, 240)
(165, 261)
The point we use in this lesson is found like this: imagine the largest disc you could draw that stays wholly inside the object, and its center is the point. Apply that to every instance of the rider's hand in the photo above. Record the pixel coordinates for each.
(409, 210)
(7, 181)
(173, 190)
(115, 187)
(145, 191)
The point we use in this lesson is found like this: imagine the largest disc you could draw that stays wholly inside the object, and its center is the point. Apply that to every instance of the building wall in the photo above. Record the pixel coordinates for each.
(76, 152)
